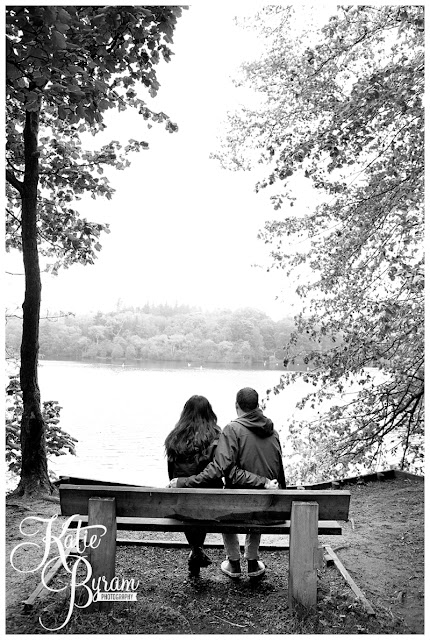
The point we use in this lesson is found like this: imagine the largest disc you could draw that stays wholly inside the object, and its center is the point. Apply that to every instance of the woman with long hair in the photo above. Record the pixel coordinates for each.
(190, 446)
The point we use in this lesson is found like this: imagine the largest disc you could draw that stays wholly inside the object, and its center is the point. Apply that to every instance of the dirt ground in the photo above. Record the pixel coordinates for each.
(382, 548)
(385, 553)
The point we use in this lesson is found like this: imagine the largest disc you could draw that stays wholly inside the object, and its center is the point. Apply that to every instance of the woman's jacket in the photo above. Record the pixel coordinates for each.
(190, 464)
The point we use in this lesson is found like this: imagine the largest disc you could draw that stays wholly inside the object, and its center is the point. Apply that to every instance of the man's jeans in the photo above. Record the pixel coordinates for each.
(231, 544)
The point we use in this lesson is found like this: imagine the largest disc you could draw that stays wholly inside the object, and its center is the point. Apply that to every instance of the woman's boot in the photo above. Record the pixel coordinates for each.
(197, 559)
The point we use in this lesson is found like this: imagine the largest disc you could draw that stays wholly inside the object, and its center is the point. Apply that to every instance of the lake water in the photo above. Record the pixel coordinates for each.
(121, 415)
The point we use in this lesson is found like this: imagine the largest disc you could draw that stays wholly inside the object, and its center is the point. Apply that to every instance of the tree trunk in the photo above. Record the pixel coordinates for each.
(34, 472)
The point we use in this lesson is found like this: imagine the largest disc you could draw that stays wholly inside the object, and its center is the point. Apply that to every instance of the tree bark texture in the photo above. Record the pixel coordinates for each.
(34, 472)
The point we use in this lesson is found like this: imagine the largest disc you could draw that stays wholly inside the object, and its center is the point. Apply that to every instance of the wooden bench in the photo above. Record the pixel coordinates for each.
(302, 514)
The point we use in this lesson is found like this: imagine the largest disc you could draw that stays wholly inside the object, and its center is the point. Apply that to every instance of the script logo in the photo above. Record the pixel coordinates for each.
(80, 571)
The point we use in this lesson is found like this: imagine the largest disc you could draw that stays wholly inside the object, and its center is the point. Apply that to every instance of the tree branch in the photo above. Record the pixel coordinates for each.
(19, 186)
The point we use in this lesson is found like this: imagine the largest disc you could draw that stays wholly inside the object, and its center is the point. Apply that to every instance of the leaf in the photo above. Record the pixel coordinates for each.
(12, 71)
(40, 81)
(100, 86)
(104, 104)
(61, 27)
(58, 40)
(75, 90)
(64, 15)
(62, 112)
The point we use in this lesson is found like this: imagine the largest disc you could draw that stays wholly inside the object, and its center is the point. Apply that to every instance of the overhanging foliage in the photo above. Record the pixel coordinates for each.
(347, 112)
(72, 65)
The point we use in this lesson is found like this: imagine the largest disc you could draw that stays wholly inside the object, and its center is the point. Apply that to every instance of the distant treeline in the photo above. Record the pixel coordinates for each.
(163, 332)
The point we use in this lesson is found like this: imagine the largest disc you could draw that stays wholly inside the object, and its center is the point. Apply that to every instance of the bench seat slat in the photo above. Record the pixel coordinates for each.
(204, 504)
(170, 524)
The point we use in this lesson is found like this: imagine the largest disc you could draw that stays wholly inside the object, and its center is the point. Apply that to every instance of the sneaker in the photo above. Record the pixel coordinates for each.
(231, 568)
(255, 568)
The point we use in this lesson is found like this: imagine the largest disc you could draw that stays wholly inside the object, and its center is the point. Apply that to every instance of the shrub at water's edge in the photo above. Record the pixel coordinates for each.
(58, 442)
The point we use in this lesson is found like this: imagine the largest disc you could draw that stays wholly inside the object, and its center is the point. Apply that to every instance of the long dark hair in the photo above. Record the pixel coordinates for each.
(195, 430)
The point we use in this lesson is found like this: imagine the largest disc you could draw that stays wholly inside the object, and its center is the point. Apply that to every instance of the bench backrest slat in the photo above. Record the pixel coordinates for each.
(204, 504)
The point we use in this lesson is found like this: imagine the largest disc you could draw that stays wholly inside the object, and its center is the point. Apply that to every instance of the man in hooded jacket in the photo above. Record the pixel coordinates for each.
(248, 454)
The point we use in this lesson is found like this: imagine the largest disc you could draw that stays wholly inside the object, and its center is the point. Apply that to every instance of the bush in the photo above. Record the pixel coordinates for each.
(58, 442)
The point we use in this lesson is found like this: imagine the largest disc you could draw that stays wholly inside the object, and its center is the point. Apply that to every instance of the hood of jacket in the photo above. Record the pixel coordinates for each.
(256, 422)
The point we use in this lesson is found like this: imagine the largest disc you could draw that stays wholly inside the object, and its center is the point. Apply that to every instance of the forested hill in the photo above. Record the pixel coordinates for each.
(164, 333)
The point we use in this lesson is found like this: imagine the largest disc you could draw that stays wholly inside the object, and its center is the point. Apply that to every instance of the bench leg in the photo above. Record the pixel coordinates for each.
(304, 555)
(102, 511)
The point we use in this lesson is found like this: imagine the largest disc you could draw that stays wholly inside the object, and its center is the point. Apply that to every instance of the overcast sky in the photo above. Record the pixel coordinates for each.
(182, 229)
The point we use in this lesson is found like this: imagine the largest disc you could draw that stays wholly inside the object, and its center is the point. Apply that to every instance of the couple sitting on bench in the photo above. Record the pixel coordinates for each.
(246, 454)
